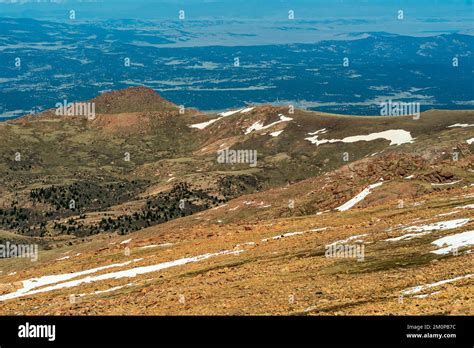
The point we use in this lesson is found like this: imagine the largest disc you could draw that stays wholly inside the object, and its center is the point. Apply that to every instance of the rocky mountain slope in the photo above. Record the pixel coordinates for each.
(134, 212)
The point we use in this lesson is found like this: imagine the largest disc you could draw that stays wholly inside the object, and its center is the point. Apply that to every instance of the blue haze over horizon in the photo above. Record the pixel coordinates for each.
(190, 61)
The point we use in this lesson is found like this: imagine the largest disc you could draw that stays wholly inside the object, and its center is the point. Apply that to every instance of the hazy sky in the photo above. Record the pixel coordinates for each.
(238, 9)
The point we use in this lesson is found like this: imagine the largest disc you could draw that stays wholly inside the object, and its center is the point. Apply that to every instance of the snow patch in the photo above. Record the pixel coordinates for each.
(29, 285)
(396, 137)
(277, 133)
(447, 183)
(461, 125)
(426, 229)
(349, 204)
(289, 234)
(156, 245)
(203, 125)
(320, 131)
(230, 112)
(63, 258)
(438, 226)
(244, 244)
(343, 241)
(426, 295)
(420, 288)
(259, 124)
(244, 111)
(455, 241)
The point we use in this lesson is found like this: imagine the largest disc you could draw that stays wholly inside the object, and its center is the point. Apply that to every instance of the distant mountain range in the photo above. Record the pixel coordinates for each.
(60, 61)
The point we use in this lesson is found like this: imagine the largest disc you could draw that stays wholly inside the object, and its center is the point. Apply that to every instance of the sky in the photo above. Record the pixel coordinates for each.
(237, 9)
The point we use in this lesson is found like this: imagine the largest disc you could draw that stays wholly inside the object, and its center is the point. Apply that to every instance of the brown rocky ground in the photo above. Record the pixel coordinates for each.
(287, 275)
